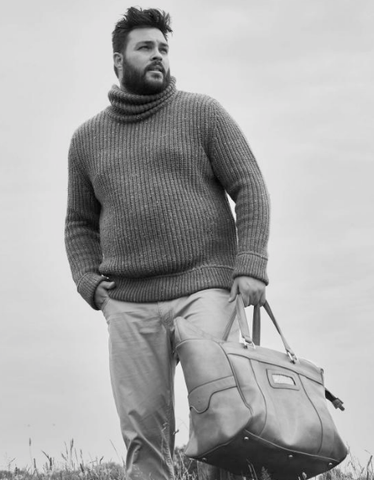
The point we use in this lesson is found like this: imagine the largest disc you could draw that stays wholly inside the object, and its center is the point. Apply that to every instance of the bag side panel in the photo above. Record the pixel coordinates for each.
(250, 390)
(226, 416)
(202, 361)
(331, 443)
(215, 415)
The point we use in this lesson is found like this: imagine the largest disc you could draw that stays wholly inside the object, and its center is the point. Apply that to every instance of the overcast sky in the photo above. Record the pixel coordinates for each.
(298, 76)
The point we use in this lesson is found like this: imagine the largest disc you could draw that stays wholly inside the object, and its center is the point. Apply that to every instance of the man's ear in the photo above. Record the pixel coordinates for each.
(117, 59)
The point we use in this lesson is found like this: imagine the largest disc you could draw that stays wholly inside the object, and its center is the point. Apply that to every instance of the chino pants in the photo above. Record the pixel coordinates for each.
(142, 367)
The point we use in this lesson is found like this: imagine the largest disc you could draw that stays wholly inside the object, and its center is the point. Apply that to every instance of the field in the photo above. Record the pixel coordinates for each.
(73, 466)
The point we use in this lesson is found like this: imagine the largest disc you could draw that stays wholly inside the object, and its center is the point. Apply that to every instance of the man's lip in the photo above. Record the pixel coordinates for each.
(155, 68)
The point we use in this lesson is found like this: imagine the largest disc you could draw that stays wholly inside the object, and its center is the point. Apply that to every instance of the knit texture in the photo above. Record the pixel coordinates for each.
(147, 206)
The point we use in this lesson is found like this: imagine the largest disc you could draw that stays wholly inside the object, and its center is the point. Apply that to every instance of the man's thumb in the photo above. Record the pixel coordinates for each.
(108, 285)
(233, 292)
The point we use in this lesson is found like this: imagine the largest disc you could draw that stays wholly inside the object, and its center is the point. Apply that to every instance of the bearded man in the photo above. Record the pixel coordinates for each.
(150, 235)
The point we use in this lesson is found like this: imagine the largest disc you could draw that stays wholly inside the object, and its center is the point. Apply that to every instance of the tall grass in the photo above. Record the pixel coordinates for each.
(73, 466)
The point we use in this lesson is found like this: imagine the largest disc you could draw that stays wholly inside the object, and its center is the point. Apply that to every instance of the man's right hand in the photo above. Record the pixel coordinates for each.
(101, 292)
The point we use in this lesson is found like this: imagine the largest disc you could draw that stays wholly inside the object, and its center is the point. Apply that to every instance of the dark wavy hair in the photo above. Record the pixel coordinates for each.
(138, 18)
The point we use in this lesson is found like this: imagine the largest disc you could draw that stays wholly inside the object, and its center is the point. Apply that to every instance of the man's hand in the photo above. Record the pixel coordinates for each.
(101, 292)
(252, 290)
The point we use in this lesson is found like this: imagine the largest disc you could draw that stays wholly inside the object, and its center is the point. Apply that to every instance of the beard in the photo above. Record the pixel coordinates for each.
(136, 82)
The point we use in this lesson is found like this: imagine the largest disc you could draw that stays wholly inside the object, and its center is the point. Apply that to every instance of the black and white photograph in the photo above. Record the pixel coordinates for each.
(187, 240)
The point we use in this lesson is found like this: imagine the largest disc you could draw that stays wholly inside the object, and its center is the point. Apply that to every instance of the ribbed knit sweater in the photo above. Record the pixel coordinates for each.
(147, 203)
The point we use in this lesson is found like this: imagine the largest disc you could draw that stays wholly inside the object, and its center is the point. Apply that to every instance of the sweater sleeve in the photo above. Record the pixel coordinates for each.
(238, 172)
(82, 236)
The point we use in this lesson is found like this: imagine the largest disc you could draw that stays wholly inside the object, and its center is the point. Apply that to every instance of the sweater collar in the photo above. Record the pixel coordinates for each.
(126, 107)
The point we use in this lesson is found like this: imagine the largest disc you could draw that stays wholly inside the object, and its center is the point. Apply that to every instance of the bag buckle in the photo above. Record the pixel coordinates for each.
(292, 356)
(248, 342)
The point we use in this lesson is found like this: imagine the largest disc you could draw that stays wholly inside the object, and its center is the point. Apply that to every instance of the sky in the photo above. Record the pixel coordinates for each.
(297, 75)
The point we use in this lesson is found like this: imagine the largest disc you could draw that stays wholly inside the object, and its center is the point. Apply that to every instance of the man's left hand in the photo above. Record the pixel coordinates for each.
(251, 289)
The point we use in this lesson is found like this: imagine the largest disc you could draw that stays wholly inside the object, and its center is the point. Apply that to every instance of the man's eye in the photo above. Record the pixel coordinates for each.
(144, 47)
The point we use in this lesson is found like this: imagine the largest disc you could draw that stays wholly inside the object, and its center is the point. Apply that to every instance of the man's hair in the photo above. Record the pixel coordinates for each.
(138, 18)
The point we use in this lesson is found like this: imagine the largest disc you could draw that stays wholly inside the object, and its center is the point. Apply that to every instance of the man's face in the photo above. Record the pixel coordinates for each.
(145, 62)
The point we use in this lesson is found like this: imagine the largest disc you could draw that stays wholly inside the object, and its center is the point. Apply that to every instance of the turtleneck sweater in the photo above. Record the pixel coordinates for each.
(147, 203)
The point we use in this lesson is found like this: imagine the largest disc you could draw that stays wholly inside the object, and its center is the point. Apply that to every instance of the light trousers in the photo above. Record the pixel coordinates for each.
(142, 367)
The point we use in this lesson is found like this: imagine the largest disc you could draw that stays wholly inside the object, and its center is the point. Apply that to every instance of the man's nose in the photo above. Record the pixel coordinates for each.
(156, 54)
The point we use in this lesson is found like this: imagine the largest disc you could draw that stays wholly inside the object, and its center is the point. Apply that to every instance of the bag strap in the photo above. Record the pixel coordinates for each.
(244, 325)
(242, 319)
(289, 350)
(334, 400)
(229, 325)
(256, 325)
(239, 312)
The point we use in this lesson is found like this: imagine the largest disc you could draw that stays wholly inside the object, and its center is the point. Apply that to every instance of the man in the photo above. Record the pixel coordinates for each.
(149, 231)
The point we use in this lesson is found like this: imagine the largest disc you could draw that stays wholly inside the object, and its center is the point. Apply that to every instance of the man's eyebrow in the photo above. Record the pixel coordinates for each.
(151, 42)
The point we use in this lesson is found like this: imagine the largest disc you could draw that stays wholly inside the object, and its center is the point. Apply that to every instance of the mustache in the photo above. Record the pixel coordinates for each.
(159, 66)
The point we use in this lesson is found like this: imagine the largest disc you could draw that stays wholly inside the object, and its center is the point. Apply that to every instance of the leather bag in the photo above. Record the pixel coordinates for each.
(253, 408)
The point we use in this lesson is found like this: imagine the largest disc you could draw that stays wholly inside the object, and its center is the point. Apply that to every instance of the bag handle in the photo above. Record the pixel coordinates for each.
(242, 319)
(256, 327)
(239, 311)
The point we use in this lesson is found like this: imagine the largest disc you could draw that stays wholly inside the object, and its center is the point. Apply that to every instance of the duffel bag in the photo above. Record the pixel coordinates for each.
(254, 408)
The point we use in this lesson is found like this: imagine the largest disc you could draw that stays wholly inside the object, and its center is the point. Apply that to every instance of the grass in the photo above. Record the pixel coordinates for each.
(73, 466)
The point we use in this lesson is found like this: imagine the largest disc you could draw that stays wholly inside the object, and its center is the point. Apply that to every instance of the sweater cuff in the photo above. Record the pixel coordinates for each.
(251, 265)
(87, 286)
